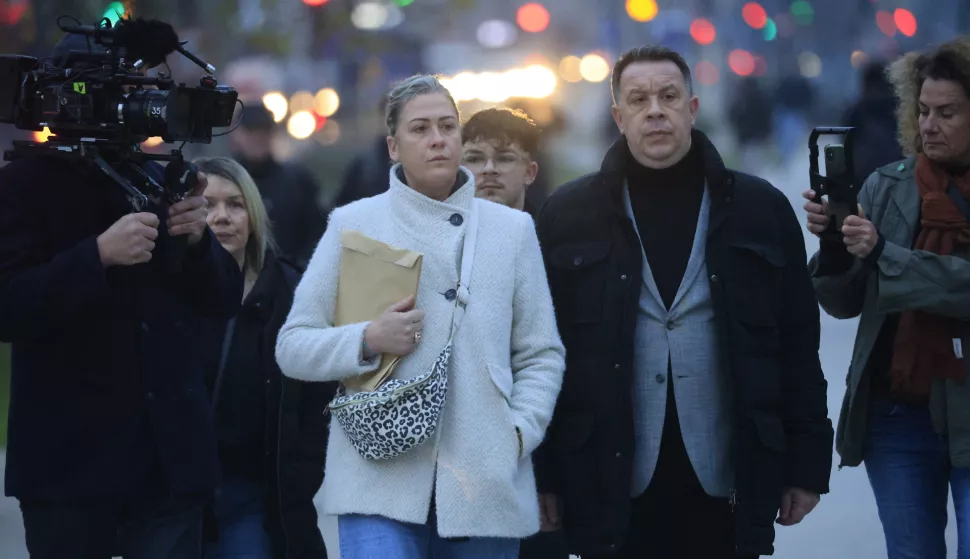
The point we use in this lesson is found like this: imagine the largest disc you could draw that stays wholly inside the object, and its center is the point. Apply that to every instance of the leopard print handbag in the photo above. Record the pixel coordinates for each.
(402, 414)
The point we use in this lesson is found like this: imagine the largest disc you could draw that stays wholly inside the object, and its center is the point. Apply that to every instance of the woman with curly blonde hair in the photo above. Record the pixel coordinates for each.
(902, 267)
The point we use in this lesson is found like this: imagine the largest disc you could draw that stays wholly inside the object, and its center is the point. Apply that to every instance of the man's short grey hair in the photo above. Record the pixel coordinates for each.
(403, 92)
(649, 53)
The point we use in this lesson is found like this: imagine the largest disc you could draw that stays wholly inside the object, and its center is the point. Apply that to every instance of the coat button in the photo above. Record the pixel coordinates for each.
(144, 326)
(151, 395)
(670, 325)
(451, 294)
(714, 278)
(456, 220)
(623, 277)
(577, 261)
(616, 366)
(619, 455)
(661, 379)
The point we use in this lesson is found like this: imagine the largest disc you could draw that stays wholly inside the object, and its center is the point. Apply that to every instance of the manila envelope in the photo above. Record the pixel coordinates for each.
(373, 276)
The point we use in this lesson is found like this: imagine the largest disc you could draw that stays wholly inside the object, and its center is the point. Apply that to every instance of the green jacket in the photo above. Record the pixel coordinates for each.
(902, 279)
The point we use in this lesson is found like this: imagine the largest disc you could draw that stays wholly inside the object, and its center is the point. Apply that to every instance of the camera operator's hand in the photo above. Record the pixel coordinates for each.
(859, 234)
(187, 217)
(129, 241)
(818, 213)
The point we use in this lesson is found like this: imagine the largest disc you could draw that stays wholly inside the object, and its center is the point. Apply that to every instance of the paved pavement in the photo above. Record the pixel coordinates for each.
(844, 526)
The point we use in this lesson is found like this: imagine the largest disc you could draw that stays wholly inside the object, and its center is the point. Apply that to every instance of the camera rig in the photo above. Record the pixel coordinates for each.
(95, 105)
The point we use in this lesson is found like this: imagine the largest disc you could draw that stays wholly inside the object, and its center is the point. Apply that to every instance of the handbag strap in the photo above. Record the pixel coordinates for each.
(467, 259)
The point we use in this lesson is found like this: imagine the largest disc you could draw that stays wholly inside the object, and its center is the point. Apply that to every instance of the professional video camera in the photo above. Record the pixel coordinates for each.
(93, 103)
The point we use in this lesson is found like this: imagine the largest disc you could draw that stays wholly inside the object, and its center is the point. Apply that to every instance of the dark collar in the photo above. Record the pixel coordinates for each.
(613, 172)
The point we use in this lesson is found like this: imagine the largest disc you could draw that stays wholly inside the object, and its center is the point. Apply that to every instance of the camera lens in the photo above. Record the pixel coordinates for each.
(145, 112)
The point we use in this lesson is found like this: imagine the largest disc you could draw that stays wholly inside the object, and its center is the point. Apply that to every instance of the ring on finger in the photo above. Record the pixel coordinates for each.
(417, 338)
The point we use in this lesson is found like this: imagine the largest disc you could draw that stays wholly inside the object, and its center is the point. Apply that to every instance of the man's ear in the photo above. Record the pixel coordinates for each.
(530, 173)
(618, 118)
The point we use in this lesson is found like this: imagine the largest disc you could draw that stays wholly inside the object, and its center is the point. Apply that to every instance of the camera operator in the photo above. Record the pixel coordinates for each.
(902, 268)
(111, 443)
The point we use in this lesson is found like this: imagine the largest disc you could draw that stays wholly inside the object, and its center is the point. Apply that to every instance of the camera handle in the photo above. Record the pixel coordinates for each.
(181, 178)
(821, 185)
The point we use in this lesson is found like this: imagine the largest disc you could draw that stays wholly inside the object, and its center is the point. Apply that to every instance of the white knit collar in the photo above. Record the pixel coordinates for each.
(460, 200)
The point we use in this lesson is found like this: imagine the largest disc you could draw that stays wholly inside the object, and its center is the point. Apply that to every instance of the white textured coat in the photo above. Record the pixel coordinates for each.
(506, 369)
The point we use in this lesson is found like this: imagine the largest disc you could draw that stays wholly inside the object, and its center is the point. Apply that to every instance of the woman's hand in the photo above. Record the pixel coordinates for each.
(818, 218)
(397, 331)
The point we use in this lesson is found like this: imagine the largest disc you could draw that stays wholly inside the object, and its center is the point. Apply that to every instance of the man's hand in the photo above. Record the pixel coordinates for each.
(795, 505)
(129, 241)
(187, 217)
(549, 513)
(859, 234)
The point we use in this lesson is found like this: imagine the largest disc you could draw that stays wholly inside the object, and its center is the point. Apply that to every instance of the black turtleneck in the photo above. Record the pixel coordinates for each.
(666, 204)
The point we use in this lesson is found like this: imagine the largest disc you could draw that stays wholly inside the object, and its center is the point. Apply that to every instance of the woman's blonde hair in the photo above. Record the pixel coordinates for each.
(948, 61)
(260, 228)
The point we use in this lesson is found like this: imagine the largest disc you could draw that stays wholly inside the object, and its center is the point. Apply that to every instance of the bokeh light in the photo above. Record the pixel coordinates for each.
(277, 104)
(328, 134)
(641, 10)
(754, 15)
(706, 73)
(301, 101)
(810, 65)
(153, 142)
(43, 135)
(569, 69)
(594, 68)
(314, 3)
(906, 22)
(886, 23)
(326, 102)
(533, 18)
(496, 34)
(760, 66)
(770, 32)
(301, 125)
(369, 16)
(741, 62)
(803, 12)
(859, 59)
(114, 12)
(703, 31)
(532, 82)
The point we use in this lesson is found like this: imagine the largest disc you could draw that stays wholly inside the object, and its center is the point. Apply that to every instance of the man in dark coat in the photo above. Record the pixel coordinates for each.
(111, 448)
(290, 192)
(693, 412)
(109, 416)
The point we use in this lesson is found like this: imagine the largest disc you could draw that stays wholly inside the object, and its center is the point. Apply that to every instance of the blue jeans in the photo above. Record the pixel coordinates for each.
(909, 470)
(376, 537)
(239, 512)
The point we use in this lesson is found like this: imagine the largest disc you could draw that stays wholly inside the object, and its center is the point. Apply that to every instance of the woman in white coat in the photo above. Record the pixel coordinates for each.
(468, 492)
